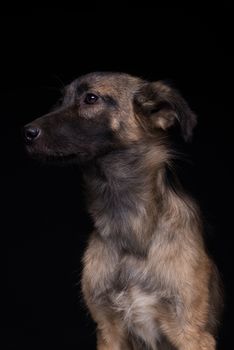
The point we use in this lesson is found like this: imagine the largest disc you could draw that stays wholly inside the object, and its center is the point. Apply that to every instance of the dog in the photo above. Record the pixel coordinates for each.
(147, 279)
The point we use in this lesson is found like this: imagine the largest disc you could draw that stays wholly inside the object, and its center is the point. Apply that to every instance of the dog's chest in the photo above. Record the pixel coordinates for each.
(117, 285)
(107, 272)
(138, 311)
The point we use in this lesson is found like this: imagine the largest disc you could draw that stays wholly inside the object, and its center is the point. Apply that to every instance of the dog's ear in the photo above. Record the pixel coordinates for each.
(165, 107)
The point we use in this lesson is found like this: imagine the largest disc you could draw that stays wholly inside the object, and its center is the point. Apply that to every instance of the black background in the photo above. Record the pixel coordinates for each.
(44, 225)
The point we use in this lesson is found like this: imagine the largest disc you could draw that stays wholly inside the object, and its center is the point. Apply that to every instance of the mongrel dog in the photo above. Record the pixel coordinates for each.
(147, 280)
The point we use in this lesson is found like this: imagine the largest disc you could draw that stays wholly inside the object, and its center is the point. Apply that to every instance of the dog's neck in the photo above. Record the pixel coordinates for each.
(125, 195)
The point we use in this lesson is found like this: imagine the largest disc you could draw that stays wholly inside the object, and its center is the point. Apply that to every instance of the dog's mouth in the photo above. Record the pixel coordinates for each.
(61, 157)
(48, 155)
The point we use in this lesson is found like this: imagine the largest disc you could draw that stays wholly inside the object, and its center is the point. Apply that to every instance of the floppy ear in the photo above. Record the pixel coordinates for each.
(164, 107)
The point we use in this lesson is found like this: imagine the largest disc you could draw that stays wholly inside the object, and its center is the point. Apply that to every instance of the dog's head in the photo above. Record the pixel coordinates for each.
(105, 111)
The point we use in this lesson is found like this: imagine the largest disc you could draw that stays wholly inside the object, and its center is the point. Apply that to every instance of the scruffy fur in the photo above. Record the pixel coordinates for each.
(147, 279)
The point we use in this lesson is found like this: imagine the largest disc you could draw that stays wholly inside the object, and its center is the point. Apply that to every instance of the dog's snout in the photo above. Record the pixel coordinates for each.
(31, 133)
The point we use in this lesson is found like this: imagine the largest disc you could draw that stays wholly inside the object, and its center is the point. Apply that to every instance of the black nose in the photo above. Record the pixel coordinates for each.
(31, 133)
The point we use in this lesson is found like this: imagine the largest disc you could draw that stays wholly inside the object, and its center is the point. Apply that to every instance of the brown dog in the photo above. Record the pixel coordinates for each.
(147, 279)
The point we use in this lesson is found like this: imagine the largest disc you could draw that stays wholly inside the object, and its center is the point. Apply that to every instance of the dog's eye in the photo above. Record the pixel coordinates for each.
(91, 98)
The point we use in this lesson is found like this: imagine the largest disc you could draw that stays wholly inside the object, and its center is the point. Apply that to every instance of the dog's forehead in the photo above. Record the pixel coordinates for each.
(107, 83)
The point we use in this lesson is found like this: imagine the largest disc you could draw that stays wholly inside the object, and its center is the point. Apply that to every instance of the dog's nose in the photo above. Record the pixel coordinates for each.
(31, 133)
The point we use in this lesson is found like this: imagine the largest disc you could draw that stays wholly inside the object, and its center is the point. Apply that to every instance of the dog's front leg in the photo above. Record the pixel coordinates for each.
(187, 340)
(111, 335)
(190, 334)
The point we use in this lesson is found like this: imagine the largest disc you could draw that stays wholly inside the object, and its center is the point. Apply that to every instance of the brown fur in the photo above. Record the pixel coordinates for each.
(147, 280)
